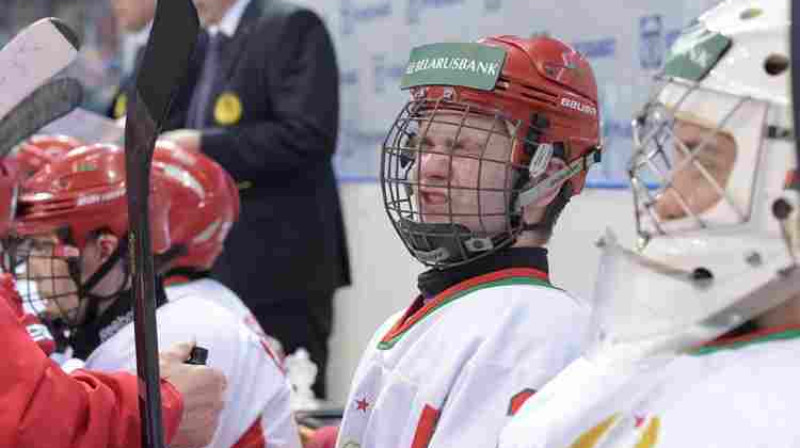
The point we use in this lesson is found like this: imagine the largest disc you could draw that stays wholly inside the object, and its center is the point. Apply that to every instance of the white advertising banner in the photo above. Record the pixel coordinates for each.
(625, 41)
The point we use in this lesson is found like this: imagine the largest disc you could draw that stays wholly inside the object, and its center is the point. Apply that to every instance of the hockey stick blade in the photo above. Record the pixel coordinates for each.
(33, 57)
(166, 58)
(49, 102)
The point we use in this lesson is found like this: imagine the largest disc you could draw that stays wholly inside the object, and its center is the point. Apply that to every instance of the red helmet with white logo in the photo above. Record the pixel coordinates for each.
(83, 192)
(204, 204)
(491, 128)
(42, 149)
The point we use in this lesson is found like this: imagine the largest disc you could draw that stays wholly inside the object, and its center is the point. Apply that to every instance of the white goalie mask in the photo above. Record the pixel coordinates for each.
(713, 161)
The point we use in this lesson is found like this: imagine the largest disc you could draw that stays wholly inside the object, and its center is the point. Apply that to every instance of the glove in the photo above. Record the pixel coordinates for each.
(36, 329)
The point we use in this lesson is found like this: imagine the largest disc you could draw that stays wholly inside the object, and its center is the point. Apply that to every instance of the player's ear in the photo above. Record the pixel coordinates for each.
(106, 244)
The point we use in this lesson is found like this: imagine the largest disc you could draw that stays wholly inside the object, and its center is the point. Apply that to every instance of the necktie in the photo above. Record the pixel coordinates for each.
(202, 92)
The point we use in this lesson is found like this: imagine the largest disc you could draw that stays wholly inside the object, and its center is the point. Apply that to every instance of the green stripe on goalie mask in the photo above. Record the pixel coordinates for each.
(696, 51)
(454, 64)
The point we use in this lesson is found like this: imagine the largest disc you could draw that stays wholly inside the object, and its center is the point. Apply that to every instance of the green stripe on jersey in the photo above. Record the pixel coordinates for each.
(387, 344)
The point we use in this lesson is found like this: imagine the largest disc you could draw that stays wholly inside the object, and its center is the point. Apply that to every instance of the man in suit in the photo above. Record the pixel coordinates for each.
(265, 107)
(135, 18)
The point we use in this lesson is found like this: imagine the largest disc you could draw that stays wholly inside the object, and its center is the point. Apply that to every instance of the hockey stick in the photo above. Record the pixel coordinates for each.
(795, 58)
(49, 102)
(166, 57)
(34, 55)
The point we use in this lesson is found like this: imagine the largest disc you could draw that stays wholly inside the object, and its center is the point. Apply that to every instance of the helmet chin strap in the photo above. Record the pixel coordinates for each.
(85, 289)
(556, 179)
(535, 192)
(447, 242)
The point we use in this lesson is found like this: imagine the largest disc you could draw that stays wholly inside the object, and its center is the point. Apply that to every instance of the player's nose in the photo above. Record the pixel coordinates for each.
(435, 166)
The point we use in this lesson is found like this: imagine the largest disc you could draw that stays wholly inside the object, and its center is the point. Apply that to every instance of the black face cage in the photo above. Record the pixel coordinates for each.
(450, 237)
(47, 286)
(660, 156)
(19, 254)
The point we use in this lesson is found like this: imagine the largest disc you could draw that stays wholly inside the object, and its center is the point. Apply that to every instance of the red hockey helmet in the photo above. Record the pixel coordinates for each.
(205, 204)
(42, 149)
(9, 182)
(84, 191)
(492, 127)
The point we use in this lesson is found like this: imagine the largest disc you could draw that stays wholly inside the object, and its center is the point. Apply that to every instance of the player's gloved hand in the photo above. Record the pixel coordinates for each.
(202, 389)
(8, 291)
(36, 329)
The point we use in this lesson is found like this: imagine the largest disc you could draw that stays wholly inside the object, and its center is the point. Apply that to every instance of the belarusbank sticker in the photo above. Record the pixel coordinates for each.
(695, 53)
(454, 64)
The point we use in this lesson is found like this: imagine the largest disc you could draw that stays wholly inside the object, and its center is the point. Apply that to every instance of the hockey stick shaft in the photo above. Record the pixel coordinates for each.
(49, 102)
(166, 58)
(33, 57)
(795, 58)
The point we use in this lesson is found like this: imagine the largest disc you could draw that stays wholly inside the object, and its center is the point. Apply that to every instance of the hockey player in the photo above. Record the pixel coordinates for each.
(94, 409)
(29, 157)
(475, 171)
(205, 207)
(72, 215)
(719, 237)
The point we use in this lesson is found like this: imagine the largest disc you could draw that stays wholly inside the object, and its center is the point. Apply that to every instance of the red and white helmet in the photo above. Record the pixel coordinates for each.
(525, 107)
(84, 191)
(42, 149)
(204, 204)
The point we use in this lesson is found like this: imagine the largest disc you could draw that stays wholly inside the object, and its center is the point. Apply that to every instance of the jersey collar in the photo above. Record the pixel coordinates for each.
(422, 308)
(434, 281)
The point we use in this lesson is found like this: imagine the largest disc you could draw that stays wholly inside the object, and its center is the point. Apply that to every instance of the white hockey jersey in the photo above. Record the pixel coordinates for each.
(741, 393)
(256, 412)
(451, 372)
(212, 290)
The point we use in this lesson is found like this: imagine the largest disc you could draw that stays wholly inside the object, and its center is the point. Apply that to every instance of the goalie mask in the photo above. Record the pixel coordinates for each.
(67, 204)
(493, 129)
(714, 184)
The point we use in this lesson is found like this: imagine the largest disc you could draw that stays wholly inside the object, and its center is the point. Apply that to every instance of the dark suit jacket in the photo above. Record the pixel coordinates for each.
(289, 241)
(180, 104)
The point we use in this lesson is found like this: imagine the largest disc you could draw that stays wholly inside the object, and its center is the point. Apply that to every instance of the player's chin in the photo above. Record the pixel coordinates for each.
(51, 313)
(60, 308)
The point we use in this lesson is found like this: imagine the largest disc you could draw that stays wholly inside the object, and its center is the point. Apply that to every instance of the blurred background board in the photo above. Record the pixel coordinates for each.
(625, 40)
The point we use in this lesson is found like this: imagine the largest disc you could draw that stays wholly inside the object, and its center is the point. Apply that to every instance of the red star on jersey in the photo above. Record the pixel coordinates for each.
(362, 404)
(639, 420)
